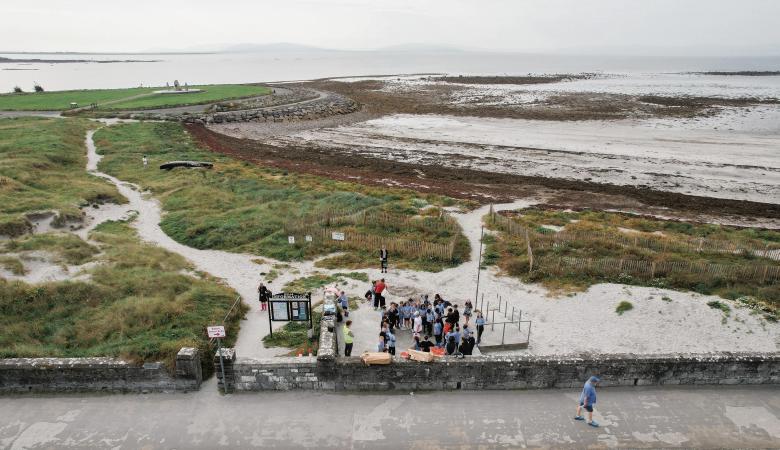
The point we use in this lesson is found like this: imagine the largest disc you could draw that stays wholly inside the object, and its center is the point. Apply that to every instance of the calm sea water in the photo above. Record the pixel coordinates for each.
(265, 67)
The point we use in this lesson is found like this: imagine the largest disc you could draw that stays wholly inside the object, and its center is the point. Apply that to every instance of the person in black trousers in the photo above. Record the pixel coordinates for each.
(383, 259)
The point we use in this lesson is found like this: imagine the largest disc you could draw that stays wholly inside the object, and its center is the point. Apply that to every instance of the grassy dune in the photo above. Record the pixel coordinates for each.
(244, 208)
(137, 305)
(42, 169)
(138, 302)
(610, 236)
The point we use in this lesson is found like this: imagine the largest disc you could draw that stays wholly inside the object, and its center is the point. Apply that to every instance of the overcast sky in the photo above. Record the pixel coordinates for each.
(655, 26)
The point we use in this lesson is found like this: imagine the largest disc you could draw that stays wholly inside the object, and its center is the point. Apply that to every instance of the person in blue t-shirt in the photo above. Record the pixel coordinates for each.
(479, 321)
(390, 340)
(587, 400)
(437, 330)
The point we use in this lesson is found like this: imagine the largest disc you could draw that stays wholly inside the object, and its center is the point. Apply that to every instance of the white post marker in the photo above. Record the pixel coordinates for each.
(291, 239)
(218, 332)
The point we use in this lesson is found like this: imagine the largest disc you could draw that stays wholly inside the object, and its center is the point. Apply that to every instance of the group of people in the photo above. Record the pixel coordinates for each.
(440, 320)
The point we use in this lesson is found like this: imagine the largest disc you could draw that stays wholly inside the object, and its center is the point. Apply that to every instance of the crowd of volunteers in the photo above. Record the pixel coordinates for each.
(437, 324)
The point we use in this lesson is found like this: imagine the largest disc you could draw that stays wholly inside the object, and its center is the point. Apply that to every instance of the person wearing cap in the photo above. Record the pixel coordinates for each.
(587, 400)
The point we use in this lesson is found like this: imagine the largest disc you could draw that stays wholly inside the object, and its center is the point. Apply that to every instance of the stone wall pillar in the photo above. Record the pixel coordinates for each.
(228, 378)
(188, 369)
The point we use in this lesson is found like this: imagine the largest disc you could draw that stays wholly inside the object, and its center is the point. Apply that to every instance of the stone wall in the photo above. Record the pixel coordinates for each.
(518, 372)
(330, 372)
(329, 105)
(19, 375)
(291, 95)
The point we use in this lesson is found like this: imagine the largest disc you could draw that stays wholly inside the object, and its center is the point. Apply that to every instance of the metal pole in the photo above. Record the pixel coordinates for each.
(479, 262)
(502, 333)
(222, 365)
(493, 321)
(513, 314)
(270, 322)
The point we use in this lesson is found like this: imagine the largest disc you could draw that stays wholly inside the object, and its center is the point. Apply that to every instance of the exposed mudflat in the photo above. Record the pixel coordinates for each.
(697, 144)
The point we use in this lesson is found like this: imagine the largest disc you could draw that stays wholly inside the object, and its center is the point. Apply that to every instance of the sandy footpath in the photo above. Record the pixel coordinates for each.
(662, 321)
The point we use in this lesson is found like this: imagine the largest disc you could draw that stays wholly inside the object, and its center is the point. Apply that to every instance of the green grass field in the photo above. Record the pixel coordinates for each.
(244, 208)
(211, 93)
(604, 236)
(134, 98)
(42, 168)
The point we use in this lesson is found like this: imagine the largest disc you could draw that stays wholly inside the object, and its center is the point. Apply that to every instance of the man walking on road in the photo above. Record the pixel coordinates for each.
(349, 338)
(587, 400)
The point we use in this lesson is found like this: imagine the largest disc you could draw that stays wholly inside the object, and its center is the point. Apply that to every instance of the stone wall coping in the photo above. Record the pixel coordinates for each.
(65, 363)
(278, 361)
(589, 358)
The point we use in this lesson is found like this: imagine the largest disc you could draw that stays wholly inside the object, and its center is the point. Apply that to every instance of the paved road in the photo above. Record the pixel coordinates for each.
(7, 114)
(631, 417)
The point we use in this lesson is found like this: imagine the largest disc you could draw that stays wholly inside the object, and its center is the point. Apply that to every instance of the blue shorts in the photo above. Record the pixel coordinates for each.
(588, 408)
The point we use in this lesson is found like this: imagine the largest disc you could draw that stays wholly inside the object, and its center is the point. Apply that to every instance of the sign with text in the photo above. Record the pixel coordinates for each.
(337, 236)
(308, 238)
(216, 331)
(290, 307)
(279, 311)
(291, 239)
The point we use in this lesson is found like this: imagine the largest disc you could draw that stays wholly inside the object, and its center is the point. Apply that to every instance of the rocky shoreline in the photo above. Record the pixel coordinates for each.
(326, 106)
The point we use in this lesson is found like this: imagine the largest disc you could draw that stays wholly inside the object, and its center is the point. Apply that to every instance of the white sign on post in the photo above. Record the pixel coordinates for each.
(216, 331)
(337, 236)
(291, 239)
(308, 238)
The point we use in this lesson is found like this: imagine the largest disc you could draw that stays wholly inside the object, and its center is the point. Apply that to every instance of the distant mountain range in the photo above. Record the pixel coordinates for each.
(291, 48)
(287, 47)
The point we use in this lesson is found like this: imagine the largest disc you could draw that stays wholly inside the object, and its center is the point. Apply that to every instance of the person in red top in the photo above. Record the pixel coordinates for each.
(379, 289)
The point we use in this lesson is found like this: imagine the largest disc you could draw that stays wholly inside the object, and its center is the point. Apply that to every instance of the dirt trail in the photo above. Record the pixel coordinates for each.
(238, 270)
(688, 324)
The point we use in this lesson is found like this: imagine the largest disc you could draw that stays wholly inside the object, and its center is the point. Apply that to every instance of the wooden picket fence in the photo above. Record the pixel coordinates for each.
(761, 273)
(361, 241)
(381, 218)
(655, 243)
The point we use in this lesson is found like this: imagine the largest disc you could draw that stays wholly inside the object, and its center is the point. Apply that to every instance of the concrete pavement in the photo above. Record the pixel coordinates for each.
(630, 417)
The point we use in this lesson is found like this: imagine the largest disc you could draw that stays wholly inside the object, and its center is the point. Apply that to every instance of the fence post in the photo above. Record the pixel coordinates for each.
(503, 331)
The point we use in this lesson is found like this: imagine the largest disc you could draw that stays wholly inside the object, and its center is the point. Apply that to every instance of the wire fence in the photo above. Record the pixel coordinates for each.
(441, 222)
(656, 243)
(760, 273)
(362, 241)
(641, 268)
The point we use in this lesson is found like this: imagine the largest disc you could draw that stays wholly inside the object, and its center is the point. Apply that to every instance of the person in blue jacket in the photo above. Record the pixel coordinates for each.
(587, 400)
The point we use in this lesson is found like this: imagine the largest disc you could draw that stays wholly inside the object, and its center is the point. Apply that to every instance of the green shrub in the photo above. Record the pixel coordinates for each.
(623, 307)
(715, 304)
